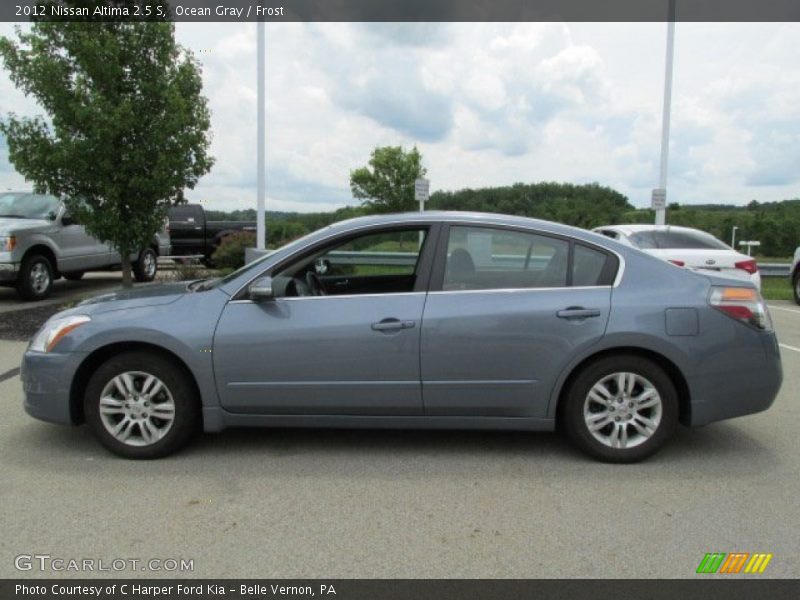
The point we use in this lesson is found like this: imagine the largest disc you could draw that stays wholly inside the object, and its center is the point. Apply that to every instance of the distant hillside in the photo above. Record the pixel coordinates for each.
(580, 205)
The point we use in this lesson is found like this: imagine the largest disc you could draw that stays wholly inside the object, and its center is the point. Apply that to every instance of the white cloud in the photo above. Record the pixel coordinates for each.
(493, 104)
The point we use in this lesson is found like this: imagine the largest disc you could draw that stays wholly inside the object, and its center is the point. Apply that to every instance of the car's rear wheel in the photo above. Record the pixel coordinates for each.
(620, 409)
(796, 286)
(141, 406)
(35, 277)
(146, 266)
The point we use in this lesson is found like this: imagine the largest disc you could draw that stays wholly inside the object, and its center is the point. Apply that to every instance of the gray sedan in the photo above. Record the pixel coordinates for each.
(424, 320)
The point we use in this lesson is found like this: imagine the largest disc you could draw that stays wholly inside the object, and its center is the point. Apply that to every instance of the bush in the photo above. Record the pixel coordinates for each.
(187, 271)
(230, 252)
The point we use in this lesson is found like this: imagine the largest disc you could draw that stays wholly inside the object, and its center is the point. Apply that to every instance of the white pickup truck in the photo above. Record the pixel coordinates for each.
(40, 242)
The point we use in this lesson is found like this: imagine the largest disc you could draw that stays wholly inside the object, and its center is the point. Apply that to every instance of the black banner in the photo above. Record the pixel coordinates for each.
(405, 10)
(401, 589)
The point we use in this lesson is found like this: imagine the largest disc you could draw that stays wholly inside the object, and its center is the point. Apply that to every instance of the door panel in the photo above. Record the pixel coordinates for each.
(321, 355)
(499, 353)
(79, 250)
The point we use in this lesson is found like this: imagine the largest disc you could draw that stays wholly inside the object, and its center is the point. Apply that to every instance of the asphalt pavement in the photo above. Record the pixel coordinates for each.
(322, 503)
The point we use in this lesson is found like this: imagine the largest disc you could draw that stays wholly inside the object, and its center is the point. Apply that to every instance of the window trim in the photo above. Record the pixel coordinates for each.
(612, 269)
(424, 259)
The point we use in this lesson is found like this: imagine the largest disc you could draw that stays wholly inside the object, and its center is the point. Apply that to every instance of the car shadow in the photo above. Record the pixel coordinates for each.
(396, 454)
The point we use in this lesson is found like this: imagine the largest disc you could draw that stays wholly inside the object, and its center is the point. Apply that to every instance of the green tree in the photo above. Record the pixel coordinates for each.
(128, 124)
(387, 183)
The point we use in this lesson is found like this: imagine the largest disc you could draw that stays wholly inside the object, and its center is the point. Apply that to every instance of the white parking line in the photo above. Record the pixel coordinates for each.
(772, 307)
(788, 347)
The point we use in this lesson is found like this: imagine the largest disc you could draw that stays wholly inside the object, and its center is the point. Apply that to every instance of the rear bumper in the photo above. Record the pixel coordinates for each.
(739, 392)
(46, 382)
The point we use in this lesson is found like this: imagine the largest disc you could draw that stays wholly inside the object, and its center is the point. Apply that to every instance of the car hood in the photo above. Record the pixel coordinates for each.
(11, 225)
(148, 295)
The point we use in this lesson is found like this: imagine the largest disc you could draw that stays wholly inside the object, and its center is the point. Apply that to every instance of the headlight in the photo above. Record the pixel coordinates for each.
(54, 330)
(8, 243)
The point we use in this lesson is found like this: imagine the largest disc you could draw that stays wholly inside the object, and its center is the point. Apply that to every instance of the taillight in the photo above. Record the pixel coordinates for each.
(677, 262)
(742, 304)
(747, 265)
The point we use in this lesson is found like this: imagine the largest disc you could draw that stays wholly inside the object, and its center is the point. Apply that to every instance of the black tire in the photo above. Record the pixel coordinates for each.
(143, 269)
(796, 286)
(615, 413)
(176, 384)
(74, 276)
(35, 281)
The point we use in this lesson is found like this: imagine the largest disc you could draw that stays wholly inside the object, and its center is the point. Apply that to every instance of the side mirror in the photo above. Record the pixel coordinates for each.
(261, 289)
(66, 220)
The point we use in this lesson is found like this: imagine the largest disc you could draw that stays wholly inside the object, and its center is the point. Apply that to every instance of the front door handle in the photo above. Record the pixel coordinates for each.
(392, 325)
(578, 312)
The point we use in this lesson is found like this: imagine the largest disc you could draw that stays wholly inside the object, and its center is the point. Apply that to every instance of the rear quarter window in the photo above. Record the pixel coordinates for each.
(589, 267)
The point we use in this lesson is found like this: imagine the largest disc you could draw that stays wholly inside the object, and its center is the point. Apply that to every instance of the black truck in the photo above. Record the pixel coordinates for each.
(191, 234)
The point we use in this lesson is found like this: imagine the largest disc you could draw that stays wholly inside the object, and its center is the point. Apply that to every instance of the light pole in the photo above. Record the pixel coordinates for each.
(733, 237)
(261, 230)
(661, 210)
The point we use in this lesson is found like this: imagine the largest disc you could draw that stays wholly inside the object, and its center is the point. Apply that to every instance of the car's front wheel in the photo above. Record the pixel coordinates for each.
(620, 409)
(35, 277)
(141, 406)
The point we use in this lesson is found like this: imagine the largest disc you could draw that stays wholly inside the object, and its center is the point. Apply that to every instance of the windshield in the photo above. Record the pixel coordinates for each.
(23, 205)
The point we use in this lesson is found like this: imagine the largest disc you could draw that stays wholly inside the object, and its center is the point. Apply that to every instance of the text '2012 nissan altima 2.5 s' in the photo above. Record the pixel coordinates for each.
(425, 320)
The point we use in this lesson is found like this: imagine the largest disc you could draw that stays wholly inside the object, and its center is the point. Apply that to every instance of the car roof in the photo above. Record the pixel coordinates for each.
(477, 218)
(637, 227)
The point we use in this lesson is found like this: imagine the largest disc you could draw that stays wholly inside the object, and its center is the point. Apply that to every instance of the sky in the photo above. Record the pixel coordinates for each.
(491, 104)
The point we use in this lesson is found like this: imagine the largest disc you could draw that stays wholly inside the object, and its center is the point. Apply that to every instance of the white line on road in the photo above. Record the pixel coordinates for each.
(773, 307)
(788, 347)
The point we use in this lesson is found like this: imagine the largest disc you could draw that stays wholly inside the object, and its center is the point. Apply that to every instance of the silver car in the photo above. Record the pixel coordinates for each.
(424, 320)
(40, 241)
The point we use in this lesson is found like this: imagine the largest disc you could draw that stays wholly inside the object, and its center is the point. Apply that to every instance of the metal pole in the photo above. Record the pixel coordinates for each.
(261, 230)
(733, 237)
(661, 214)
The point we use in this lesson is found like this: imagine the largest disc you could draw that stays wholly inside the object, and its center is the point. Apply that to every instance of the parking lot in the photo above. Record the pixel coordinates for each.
(306, 503)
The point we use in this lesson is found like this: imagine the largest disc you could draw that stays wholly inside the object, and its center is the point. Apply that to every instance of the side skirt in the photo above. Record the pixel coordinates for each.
(216, 419)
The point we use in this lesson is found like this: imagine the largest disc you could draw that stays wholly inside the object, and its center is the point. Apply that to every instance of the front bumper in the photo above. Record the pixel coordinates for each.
(46, 382)
(8, 271)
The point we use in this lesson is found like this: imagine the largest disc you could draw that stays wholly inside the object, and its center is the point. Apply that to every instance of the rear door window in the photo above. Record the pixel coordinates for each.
(482, 258)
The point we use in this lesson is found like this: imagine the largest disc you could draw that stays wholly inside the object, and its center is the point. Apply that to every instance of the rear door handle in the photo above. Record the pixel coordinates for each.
(576, 312)
(392, 325)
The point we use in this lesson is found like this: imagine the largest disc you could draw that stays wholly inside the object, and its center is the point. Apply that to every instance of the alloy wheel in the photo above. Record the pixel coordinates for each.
(137, 408)
(622, 410)
(39, 278)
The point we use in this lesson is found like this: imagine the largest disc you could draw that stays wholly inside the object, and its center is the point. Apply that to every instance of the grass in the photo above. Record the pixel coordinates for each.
(774, 259)
(776, 288)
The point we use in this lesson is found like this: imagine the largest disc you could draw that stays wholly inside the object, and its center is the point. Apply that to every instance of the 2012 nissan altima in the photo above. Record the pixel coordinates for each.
(423, 320)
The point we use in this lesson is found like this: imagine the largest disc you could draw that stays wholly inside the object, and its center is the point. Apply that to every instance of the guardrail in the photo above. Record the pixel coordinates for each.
(774, 269)
(167, 263)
